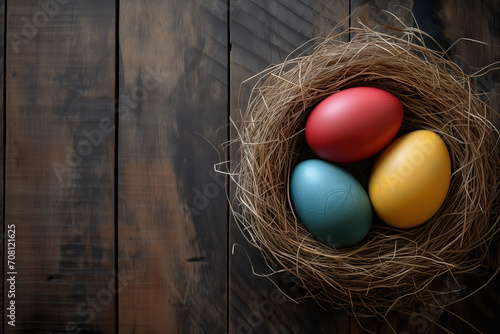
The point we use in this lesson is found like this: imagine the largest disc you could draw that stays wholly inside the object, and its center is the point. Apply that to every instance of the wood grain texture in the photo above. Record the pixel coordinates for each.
(59, 180)
(172, 206)
(447, 21)
(477, 21)
(176, 89)
(371, 13)
(265, 33)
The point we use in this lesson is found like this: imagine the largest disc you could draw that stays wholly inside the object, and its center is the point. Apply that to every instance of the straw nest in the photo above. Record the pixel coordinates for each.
(391, 268)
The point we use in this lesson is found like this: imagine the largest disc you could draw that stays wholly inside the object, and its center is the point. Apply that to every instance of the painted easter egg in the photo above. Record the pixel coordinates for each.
(410, 179)
(330, 203)
(353, 124)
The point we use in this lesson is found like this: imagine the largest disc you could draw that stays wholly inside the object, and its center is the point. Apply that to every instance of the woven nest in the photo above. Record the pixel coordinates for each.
(391, 268)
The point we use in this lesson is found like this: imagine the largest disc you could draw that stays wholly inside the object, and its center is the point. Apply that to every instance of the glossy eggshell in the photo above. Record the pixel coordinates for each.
(410, 179)
(330, 203)
(353, 124)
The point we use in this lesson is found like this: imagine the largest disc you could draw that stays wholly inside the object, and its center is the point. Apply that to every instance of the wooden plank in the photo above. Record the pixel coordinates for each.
(372, 12)
(477, 21)
(2, 155)
(264, 33)
(59, 164)
(446, 21)
(463, 19)
(172, 206)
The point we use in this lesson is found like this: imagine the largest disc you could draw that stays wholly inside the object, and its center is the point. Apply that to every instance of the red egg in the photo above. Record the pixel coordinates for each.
(353, 124)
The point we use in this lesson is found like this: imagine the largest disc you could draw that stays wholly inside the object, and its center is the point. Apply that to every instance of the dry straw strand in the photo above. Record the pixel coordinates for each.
(391, 268)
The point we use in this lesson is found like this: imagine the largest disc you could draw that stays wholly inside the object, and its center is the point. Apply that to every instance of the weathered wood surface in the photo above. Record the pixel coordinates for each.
(59, 175)
(115, 113)
(172, 212)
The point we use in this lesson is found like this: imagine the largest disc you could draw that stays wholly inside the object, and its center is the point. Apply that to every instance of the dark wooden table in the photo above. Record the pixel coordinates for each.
(115, 113)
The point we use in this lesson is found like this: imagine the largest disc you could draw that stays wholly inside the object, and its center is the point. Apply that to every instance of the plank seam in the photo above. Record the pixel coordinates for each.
(116, 149)
(350, 37)
(228, 186)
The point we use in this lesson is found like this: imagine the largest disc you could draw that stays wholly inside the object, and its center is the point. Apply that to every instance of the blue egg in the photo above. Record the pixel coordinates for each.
(330, 203)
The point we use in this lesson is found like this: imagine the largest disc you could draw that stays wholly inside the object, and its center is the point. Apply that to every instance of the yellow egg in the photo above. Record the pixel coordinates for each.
(410, 179)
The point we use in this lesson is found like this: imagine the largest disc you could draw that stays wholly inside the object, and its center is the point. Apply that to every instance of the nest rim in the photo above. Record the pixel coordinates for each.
(391, 269)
